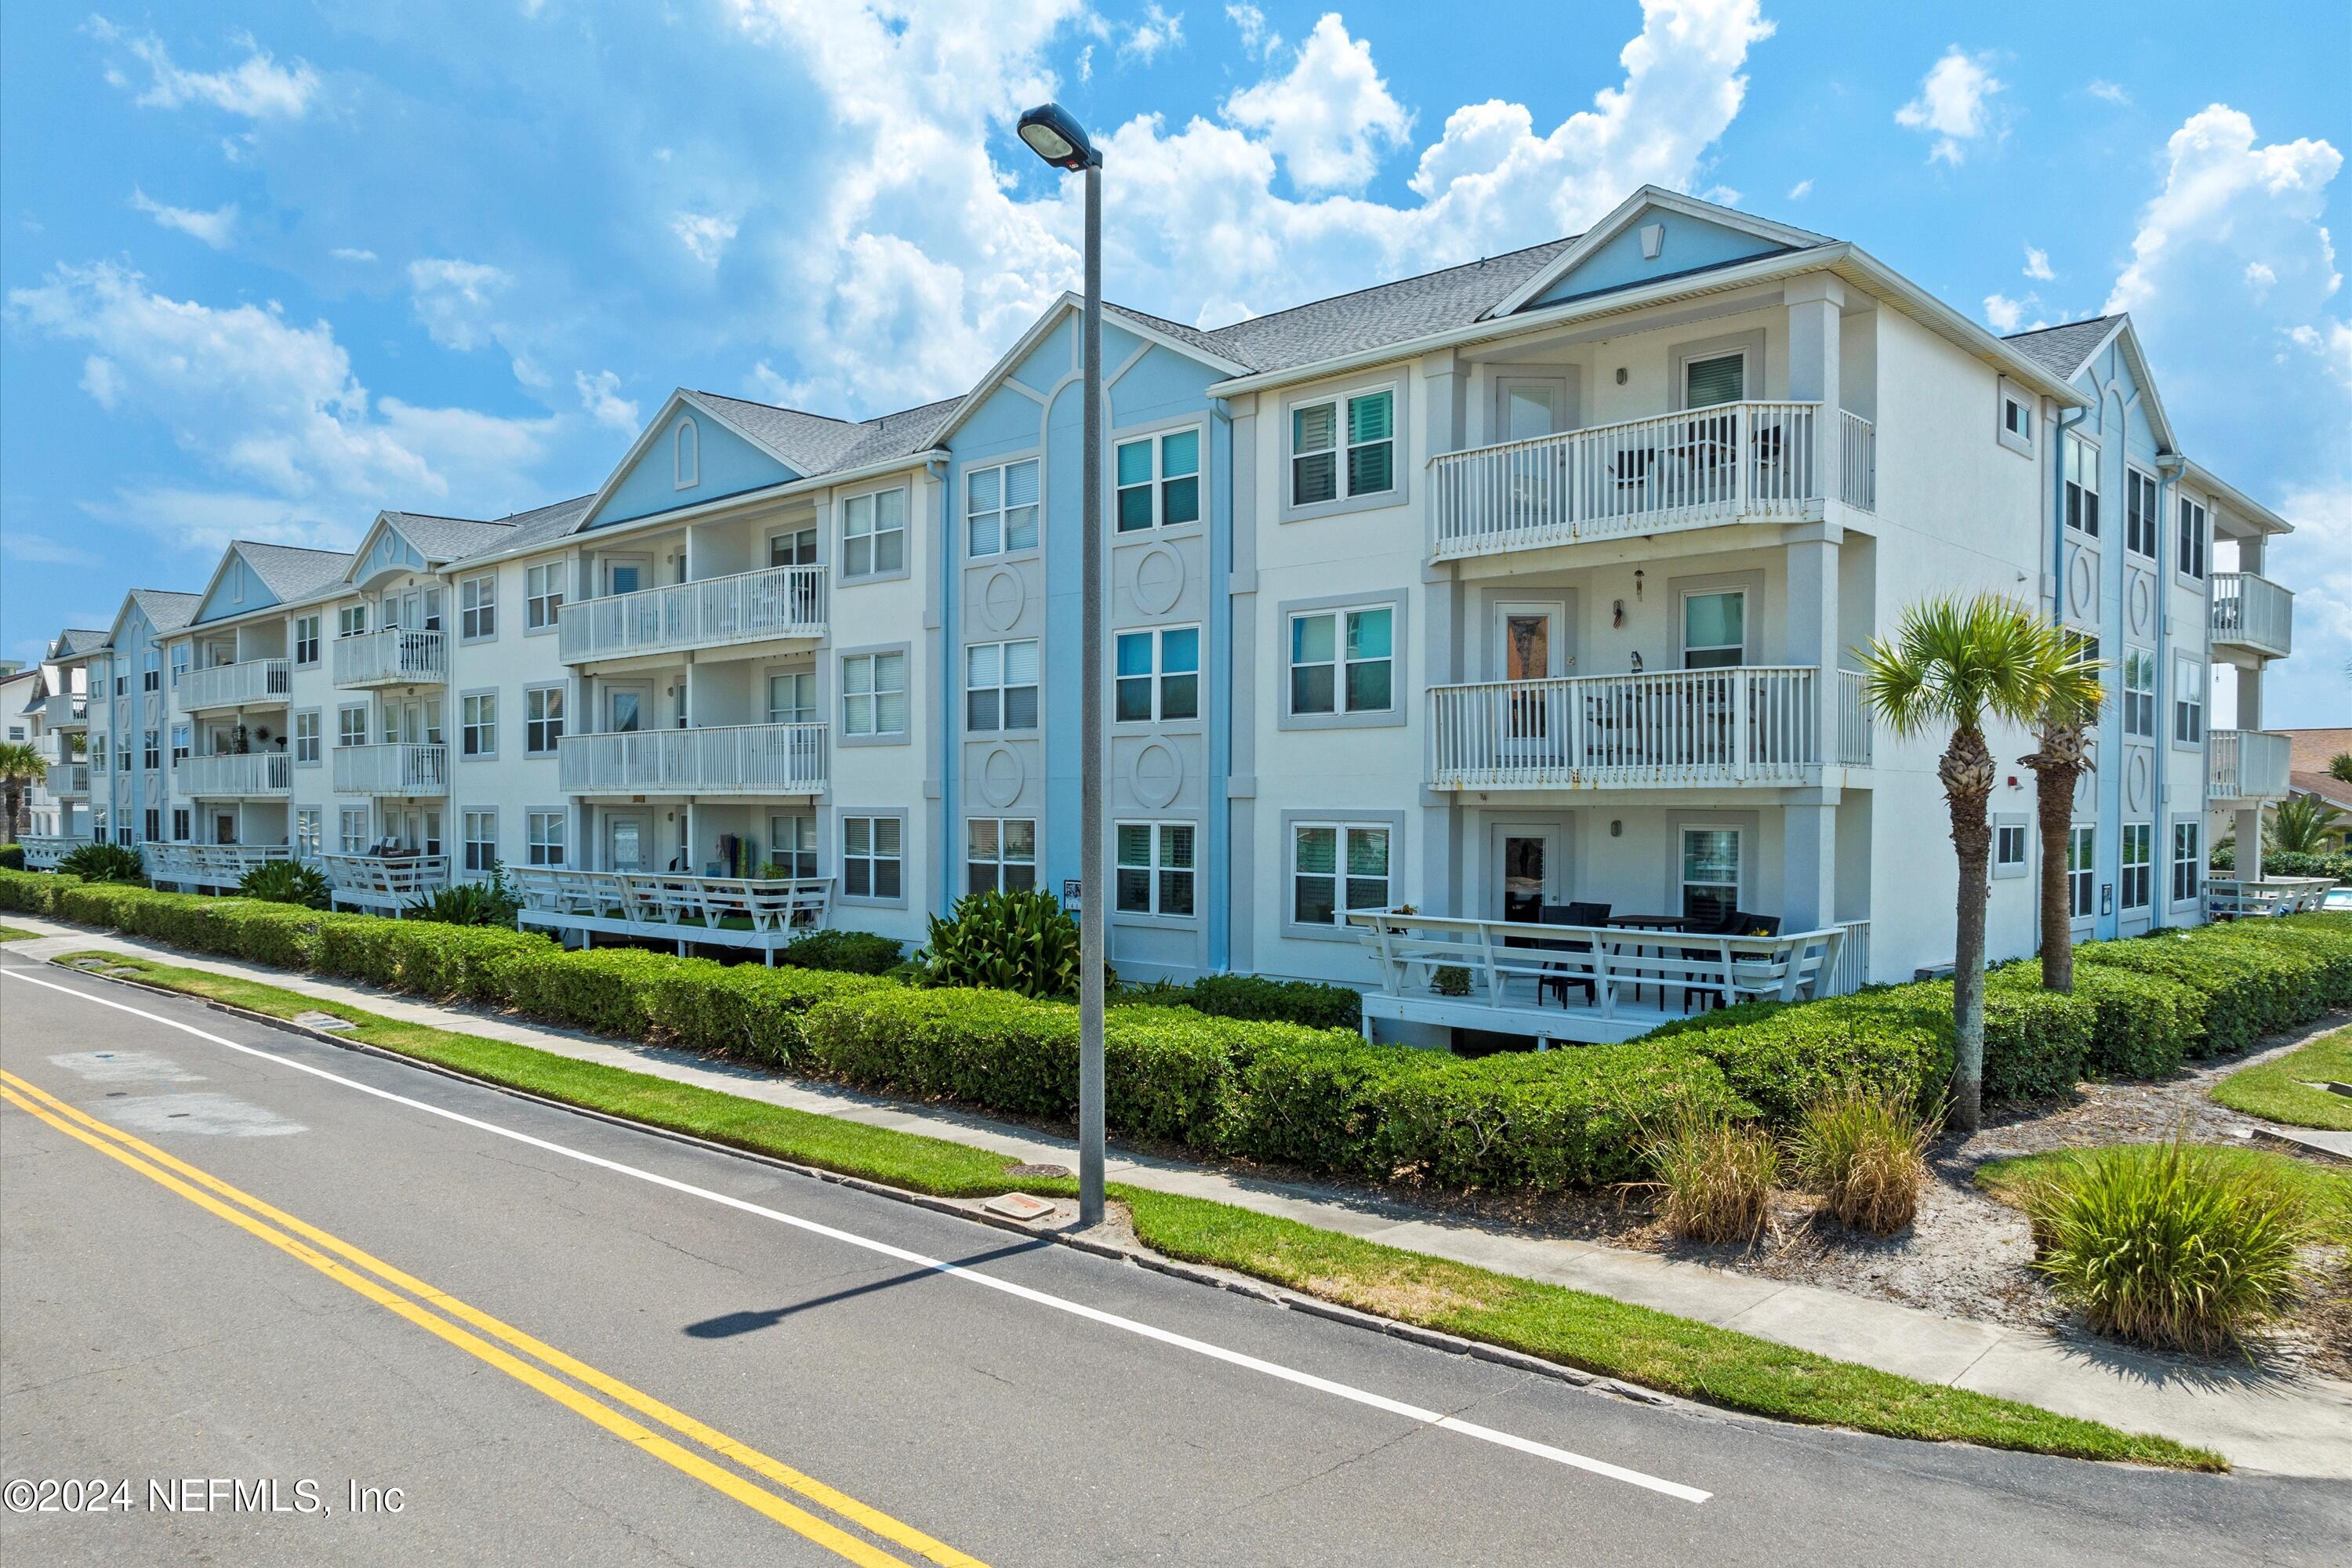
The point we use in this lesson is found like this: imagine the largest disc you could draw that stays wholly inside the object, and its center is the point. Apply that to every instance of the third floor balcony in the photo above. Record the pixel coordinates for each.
(250, 683)
(1731, 463)
(232, 775)
(776, 604)
(733, 760)
(2253, 613)
(394, 768)
(2248, 764)
(392, 657)
(68, 711)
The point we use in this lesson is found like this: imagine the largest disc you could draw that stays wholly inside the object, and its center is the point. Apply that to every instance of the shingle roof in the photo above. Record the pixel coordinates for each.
(290, 571)
(79, 640)
(2062, 349)
(542, 523)
(448, 538)
(815, 444)
(165, 610)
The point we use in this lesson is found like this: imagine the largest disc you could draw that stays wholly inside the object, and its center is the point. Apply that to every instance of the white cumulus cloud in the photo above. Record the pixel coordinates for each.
(456, 301)
(257, 88)
(215, 227)
(2037, 264)
(1157, 32)
(1257, 39)
(1952, 105)
(1331, 117)
(600, 395)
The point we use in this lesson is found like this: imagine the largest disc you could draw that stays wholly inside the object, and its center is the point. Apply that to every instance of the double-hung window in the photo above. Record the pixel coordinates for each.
(1341, 661)
(151, 749)
(309, 839)
(350, 620)
(478, 608)
(481, 839)
(305, 639)
(2139, 861)
(1343, 448)
(179, 664)
(797, 547)
(2188, 702)
(1158, 676)
(542, 595)
(478, 724)
(1160, 481)
(871, 866)
(1155, 869)
(999, 507)
(351, 726)
(1000, 854)
(150, 672)
(306, 737)
(2081, 464)
(1335, 866)
(542, 719)
(2191, 556)
(2139, 693)
(2008, 849)
(1000, 685)
(543, 840)
(791, 843)
(2187, 860)
(2082, 870)
(183, 739)
(2139, 513)
(874, 533)
(873, 694)
(791, 698)
(352, 829)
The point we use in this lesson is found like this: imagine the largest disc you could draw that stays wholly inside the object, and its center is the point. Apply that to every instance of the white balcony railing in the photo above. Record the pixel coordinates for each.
(2253, 612)
(762, 913)
(249, 683)
(741, 760)
(781, 602)
(68, 781)
(44, 850)
(1734, 462)
(235, 774)
(390, 882)
(2230, 898)
(68, 711)
(1687, 727)
(207, 865)
(395, 768)
(2248, 764)
(392, 657)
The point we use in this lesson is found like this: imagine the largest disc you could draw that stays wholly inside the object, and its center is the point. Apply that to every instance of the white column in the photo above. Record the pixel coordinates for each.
(1814, 304)
(1814, 633)
(2249, 830)
(1809, 861)
(1441, 382)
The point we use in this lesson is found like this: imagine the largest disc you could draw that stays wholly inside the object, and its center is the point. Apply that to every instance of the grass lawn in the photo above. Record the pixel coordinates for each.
(16, 933)
(2280, 1090)
(2328, 1190)
(1571, 1327)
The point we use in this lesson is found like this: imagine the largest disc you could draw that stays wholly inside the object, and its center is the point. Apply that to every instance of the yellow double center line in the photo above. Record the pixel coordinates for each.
(299, 1239)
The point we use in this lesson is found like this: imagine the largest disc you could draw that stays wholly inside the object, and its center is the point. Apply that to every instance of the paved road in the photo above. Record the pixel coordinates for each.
(566, 1342)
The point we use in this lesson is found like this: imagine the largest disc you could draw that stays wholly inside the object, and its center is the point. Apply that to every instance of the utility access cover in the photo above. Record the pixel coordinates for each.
(1020, 1206)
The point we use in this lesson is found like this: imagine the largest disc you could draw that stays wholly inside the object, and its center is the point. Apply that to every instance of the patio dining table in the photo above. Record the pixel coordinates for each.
(1664, 925)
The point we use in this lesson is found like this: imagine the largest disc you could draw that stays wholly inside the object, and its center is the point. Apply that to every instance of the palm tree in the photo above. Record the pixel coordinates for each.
(2303, 824)
(2070, 693)
(2339, 767)
(1954, 664)
(20, 765)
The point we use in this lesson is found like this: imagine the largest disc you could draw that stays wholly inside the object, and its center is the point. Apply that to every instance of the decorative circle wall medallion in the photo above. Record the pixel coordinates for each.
(1159, 579)
(1159, 774)
(1002, 599)
(2082, 584)
(1002, 776)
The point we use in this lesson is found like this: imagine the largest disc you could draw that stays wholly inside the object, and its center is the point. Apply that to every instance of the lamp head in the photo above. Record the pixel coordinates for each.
(1054, 135)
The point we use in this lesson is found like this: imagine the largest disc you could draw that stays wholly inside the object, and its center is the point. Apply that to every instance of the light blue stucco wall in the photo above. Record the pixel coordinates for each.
(223, 600)
(1691, 243)
(728, 465)
(387, 551)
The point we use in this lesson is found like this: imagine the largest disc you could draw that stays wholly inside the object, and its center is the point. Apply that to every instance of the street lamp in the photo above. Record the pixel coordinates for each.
(1061, 140)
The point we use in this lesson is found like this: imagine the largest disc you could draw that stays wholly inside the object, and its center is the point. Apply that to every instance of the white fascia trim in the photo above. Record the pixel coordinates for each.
(660, 423)
(2254, 510)
(1045, 322)
(1633, 206)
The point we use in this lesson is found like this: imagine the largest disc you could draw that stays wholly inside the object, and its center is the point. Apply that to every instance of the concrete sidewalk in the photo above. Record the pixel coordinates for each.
(2300, 1427)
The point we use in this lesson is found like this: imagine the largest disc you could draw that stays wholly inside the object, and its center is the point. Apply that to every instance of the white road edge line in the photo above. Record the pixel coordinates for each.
(1059, 1303)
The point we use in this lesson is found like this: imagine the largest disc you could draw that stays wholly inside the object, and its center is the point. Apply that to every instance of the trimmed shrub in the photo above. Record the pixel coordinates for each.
(32, 892)
(12, 857)
(104, 863)
(607, 991)
(2142, 1026)
(2255, 976)
(843, 951)
(749, 1013)
(1249, 996)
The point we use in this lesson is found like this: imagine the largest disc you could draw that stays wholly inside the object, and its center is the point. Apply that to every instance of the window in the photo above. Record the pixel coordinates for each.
(2139, 513)
(1000, 854)
(305, 639)
(791, 698)
(873, 694)
(796, 547)
(182, 824)
(1158, 676)
(181, 740)
(543, 841)
(350, 620)
(1000, 685)
(1155, 869)
(542, 719)
(98, 752)
(1321, 470)
(685, 455)
(478, 608)
(623, 576)
(2139, 856)
(1321, 891)
(309, 839)
(793, 843)
(2008, 849)
(481, 840)
(352, 829)
(1710, 874)
(2188, 861)
(306, 737)
(2189, 702)
(874, 533)
(1340, 661)
(152, 820)
(478, 724)
(2082, 870)
(2016, 421)
(179, 664)
(870, 863)
(1160, 481)
(1715, 630)
(2082, 463)
(999, 507)
(542, 595)
(151, 750)
(2139, 693)
(2192, 558)
(1719, 378)
(351, 726)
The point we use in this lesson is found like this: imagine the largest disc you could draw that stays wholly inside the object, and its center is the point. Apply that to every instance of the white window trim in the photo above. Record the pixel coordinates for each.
(2087, 876)
(1153, 435)
(1739, 877)
(1001, 467)
(905, 530)
(2093, 458)
(1340, 718)
(2172, 861)
(2195, 582)
(465, 840)
(317, 639)
(2199, 682)
(318, 736)
(481, 584)
(2123, 869)
(2124, 686)
(531, 816)
(841, 894)
(2139, 479)
(1155, 915)
(2023, 824)
(685, 453)
(1001, 687)
(563, 721)
(1398, 492)
(1158, 678)
(491, 753)
(559, 573)
(1002, 860)
(2020, 441)
(842, 735)
(1338, 930)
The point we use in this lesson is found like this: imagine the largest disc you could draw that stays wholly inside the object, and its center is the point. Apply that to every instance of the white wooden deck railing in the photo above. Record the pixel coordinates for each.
(233, 773)
(1732, 462)
(2248, 764)
(765, 914)
(207, 865)
(2228, 898)
(1748, 725)
(778, 601)
(44, 850)
(737, 759)
(392, 657)
(2254, 612)
(69, 781)
(383, 881)
(1857, 720)
(251, 683)
(68, 711)
(394, 768)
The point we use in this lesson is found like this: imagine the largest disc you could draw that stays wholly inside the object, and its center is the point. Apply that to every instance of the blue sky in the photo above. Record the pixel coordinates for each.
(269, 269)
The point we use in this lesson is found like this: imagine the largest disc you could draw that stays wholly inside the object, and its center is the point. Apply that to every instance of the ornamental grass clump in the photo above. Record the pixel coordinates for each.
(2177, 1245)
(1866, 1154)
(1715, 1172)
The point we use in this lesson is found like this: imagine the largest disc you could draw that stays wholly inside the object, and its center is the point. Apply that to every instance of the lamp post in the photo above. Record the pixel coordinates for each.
(1058, 138)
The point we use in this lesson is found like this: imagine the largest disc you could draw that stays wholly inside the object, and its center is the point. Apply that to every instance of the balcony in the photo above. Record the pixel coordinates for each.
(2230, 898)
(216, 865)
(2252, 612)
(1684, 728)
(1734, 462)
(235, 775)
(778, 603)
(68, 781)
(759, 913)
(392, 657)
(2248, 764)
(735, 760)
(68, 711)
(396, 768)
(253, 683)
(44, 850)
(387, 882)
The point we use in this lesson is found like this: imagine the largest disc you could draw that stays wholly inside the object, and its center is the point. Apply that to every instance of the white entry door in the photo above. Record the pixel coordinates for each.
(628, 840)
(1526, 406)
(1531, 869)
(628, 707)
(1528, 647)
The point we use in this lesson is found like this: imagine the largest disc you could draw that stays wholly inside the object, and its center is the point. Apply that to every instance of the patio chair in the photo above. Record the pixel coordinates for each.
(1738, 922)
(1571, 915)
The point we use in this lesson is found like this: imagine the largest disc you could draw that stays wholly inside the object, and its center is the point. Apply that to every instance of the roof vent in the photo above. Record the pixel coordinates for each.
(1653, 240)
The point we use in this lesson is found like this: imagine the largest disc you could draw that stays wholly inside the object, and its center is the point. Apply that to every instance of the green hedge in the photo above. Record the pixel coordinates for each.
(1252, 996)
(12, 857)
